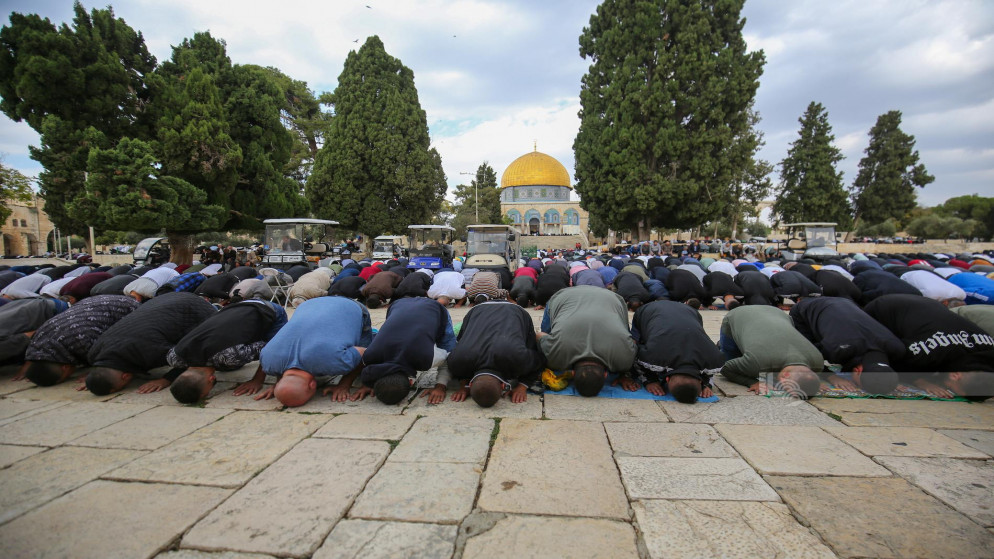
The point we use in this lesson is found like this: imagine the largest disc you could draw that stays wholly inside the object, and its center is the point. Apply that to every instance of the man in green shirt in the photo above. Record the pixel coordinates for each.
(758, 339)
(586, 329)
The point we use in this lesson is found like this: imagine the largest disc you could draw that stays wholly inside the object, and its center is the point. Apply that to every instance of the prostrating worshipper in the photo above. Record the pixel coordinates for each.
(978, 288)
(720, 285)
(834, 284)
(760, 339)
(80, 287)
(981, 315)
(349, 287)
(849, 337)
(496, 354)
(875, 283)
(447, 288)
(310, 285)
(585, 329)
(550, 282)
(485, 286)
(936, 287)
(325, 339)
(684, 287)
(757, 288)
(631, 288)
(946, 355)
(414, 284)
(61, 344)
(140, 342)
(793, 285)
(416, 336)
(675, 355)
(19, 320)
(380, 288)
(226, 341)
(26, 287)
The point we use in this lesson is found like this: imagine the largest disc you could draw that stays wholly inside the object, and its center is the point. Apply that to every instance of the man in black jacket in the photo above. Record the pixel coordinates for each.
(685, 287)
(849, 337)
(875, 283)
(140, 342)
(226, 341)
(631, 289)
(946, 354)
(675, 354)
(496, 352)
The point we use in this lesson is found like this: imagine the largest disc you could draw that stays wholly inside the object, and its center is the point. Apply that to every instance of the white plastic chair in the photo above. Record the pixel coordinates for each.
(280, 284)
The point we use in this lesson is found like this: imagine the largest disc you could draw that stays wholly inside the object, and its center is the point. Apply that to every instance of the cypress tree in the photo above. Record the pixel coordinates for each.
(810, 186)
(663, 106)
(376, 171)
(888, 173)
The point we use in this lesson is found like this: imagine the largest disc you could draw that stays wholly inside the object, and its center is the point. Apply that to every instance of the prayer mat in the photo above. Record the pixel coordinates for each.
(618, 392)
(902, 392)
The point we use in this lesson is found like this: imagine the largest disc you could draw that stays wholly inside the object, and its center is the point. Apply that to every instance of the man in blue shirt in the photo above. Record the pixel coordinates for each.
(325, 338)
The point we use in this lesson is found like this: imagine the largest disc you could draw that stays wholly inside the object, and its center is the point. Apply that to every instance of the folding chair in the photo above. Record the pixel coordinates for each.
(280, 283)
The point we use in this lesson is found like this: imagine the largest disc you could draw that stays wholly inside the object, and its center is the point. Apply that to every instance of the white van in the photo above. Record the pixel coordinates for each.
(387, 247)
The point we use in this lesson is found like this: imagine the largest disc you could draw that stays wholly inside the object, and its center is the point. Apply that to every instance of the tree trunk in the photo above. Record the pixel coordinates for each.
(644, 229)
(180, 248)
(735, 226)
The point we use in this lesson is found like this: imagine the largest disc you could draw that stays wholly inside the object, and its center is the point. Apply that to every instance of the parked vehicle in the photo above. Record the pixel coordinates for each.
(386, 247)
(815, 240)
(430, 246)
(492, 246)
(295, 241)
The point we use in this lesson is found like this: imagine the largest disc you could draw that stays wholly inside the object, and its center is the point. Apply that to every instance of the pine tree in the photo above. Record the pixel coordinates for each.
(888, 173)
(376, 171)
(665, 98)
(810, 186)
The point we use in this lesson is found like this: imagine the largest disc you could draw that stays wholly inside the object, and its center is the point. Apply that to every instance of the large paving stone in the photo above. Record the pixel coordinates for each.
(903, 441)
(290, 507)
(708, 479)
(800, 450)
(516, 537)
(980, 440)
(602, 409)
(529, 409)
(36, 480)
(13, 410)
(730, 388)
(226, 453)
(667, 439)
(145, 519)
(193, 554)
(368, 406)
(438, 439)
(909, 413)
(152, 429)
(882, 517)
(9, 386)
(748, 410)
(10, 454)
(227, 400)
(419, 492)
(372, 539)
(65, 423)
(719, 529)
(965, 485)
(65, 391)
(561, 468)
(361, 426)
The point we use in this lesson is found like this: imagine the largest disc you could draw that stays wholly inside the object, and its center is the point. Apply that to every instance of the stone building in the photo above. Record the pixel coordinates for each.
(26, 232)
(535, 195)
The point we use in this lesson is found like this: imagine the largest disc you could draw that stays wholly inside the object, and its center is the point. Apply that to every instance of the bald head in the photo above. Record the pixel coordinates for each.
(295, 388)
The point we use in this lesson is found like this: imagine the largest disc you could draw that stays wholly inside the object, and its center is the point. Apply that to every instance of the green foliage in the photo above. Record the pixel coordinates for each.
(483, 190)
(755, 229)
(125, 190)
(13, 186)
(888, 228)
(664, 114)
(376, 170)
(888, 173)
(972, 207)
(810, 187)
(935, 226)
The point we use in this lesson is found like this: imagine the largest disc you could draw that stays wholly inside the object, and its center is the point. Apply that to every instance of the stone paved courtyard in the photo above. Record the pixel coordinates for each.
(132, 475)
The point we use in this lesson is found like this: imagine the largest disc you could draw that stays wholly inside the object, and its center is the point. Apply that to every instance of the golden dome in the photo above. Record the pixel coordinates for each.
(535, 169)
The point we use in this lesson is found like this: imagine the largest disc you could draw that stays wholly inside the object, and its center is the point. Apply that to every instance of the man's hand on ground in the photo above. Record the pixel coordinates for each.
(655, 388)
(361, 393)
(339, 392)
(519, 394)
(153, 386)
(436, 395)
(627, 383)
(759, 388)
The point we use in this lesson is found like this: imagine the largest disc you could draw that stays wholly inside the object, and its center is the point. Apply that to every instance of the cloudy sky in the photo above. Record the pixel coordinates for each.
(496, 76)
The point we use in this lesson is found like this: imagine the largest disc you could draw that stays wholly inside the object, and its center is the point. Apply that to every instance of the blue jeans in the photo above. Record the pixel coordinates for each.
(728, 348)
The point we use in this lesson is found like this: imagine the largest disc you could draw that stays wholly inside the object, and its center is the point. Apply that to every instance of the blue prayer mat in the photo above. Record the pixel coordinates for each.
(618, 392)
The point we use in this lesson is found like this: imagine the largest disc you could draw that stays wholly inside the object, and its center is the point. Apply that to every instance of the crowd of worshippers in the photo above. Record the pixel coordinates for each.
(861, 321)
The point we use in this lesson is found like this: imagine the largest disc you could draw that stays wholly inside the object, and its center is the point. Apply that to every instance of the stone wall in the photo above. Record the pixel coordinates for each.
(26, 231)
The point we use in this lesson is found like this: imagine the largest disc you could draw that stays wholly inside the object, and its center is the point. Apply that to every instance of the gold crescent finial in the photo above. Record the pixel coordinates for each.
(535, 145)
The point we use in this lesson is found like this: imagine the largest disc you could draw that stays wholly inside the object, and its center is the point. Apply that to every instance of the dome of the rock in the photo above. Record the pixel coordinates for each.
(535, 169)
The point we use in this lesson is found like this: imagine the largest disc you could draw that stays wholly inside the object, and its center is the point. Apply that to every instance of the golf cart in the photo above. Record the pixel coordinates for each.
(430, 246)
(814, 240)
(492, 246)
(298, 241)
(152, 251)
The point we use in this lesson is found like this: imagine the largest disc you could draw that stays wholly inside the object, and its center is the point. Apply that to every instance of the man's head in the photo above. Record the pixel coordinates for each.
(481, 298)
(634, 303)
(588, 377)
(48, 373)
(486, 388)
(972, 385)
(373, 301)
(103, 380)
(392, 388)
(522, 300)
(799, 381)
(443, 300)
(694, 303)
(875, 377)
(295, 388)
(685, 388)
(193, 385)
